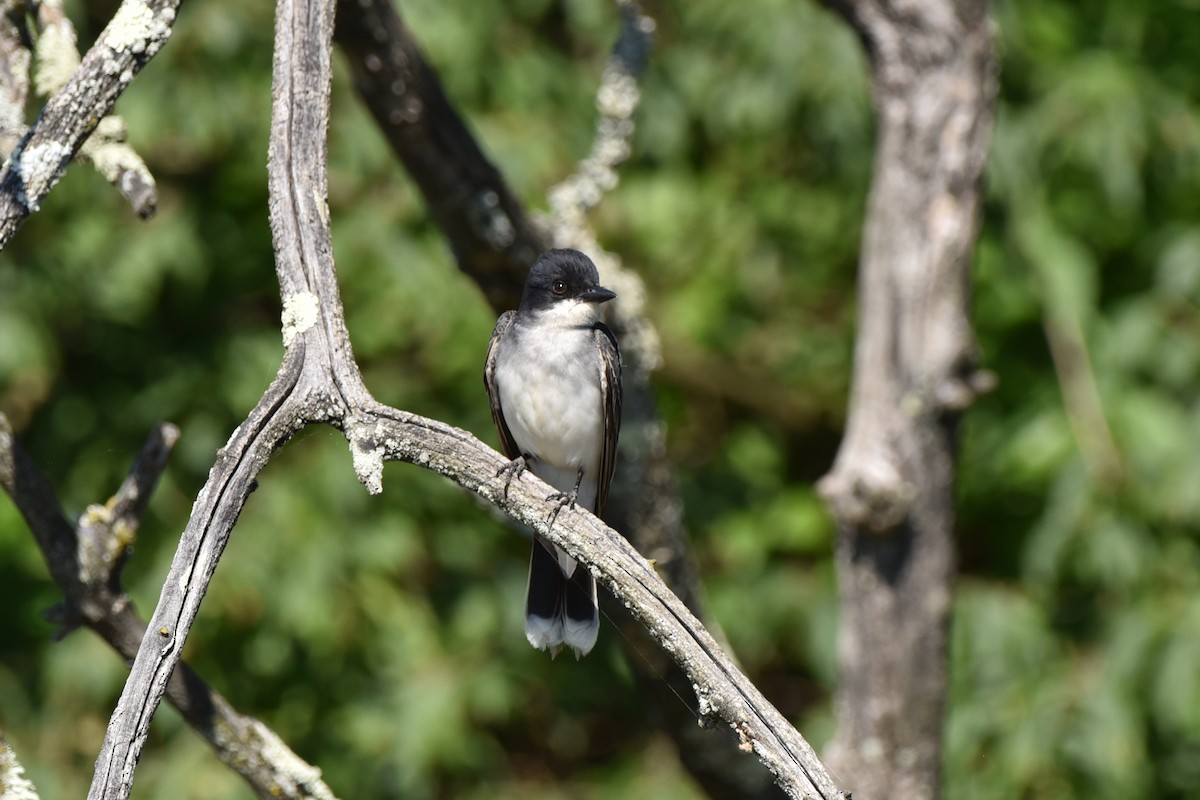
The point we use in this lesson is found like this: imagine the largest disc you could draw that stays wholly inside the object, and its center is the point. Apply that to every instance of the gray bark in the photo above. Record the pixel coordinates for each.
(891, 489)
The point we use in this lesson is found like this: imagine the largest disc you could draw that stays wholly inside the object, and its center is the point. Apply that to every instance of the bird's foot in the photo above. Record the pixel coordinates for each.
(564, 499)
(512, 471)
(561, 500)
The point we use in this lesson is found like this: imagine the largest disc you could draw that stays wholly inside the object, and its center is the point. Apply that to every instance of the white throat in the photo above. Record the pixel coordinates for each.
(571, 313)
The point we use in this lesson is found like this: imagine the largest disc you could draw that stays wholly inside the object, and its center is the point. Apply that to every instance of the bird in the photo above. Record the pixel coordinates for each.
(553, 378)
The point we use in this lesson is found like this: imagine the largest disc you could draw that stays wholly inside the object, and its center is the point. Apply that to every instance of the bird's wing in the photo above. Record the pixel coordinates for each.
(507, 443)
(610, 387)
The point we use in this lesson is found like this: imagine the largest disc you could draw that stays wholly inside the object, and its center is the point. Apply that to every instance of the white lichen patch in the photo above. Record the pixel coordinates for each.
(368, 464)
(57, 59)
(12, 114)
(618, 95)
(133, 28)
(299, 774)
(96, 515)
(703, 705)
(300, 313)
(13, 783)
(38, 166)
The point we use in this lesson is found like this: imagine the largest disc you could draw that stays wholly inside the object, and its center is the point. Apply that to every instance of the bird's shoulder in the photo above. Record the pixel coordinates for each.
(605, 337)
(503, 324)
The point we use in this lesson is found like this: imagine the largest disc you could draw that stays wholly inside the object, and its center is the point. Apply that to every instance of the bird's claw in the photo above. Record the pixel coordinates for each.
(562, 500)
(512, 471)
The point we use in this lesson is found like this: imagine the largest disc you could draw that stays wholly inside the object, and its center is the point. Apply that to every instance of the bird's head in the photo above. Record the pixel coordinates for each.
(564, 282)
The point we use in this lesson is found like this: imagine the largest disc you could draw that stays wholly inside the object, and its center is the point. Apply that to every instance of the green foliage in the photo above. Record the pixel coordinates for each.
(1088, 571)
(382, 636)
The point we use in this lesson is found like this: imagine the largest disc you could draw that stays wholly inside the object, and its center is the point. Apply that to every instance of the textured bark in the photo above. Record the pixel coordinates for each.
(319, 381)
(891, 489)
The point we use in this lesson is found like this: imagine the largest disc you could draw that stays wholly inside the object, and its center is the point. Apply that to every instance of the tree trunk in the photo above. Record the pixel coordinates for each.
(891, 489)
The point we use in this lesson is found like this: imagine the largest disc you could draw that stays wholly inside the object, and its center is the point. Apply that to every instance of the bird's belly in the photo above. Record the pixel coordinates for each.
(555, 415)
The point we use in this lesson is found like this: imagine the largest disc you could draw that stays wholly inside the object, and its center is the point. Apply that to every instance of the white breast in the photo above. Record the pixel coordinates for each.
(549, 385)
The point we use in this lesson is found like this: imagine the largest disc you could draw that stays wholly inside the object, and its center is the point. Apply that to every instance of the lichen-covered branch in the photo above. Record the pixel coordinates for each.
(645, 502)
(14, 76)
(891, 489)
(85, 561)
(13, 783)
(56, 60)
(616, 100)
(319, 381)
(134, 35)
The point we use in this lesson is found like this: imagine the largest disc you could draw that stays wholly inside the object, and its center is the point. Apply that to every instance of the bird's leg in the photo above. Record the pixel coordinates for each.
(512, 470)
(565, 499)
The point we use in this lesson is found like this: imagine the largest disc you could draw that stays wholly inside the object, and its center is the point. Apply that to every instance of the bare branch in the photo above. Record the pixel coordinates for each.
(723, 691)
(133, 36)
(318, 381)
(84, 562)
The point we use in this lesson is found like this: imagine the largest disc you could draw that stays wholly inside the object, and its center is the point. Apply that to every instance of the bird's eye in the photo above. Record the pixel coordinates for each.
(558, 287)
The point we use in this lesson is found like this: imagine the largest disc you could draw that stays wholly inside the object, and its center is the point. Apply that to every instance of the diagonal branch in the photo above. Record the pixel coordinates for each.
(492, 238)
(133, 36)
(318, 381)
(56, 59)
(85, 561)
(470, 201)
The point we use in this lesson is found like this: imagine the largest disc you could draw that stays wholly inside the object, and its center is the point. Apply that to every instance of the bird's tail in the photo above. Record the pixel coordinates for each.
(560, 602)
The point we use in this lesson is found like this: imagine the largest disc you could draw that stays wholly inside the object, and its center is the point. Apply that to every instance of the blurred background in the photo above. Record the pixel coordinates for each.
(382, 637)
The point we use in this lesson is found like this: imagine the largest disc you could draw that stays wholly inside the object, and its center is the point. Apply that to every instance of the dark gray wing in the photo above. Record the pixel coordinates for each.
(507, 444)
(610, 387)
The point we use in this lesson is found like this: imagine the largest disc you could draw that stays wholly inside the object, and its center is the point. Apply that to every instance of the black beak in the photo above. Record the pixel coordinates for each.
(597, 294)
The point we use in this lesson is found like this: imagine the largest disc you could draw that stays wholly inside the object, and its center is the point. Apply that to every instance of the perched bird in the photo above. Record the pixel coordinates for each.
(553, 376)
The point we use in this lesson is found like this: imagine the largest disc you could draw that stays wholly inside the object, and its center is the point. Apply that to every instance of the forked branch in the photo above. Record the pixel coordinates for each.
(319, 381)
(85, 562)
